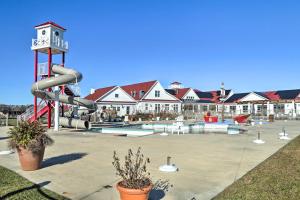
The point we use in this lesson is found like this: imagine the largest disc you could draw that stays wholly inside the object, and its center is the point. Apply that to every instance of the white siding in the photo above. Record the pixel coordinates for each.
(164, 95)
(122, 96)
(191, 95)
(253, 97)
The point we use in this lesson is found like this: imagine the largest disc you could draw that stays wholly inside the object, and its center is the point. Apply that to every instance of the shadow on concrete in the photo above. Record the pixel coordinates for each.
(160, 188)
(34, 186)
(58, 160)
(4, 138)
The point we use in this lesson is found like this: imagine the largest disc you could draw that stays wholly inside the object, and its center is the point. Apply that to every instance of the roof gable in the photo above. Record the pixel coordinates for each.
(117, 94)
(138, 90)
(254, 96)
(191, 93)
(164, 95)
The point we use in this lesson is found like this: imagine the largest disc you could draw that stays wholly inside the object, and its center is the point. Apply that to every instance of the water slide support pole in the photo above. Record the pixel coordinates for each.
(35, 80)
(62, 87)
(56, 108)
(49, 74)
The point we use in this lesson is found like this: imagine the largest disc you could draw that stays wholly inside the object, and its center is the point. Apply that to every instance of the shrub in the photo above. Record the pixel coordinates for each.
(134, 171)
(31, 136)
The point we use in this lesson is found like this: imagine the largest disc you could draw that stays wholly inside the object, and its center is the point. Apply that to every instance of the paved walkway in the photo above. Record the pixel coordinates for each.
(79, 165)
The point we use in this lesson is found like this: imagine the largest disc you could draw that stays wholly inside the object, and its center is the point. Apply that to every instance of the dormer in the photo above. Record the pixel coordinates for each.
(50, 35)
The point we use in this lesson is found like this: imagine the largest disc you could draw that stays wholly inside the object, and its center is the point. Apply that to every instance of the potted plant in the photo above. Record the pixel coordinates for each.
(136, 183)
(30, 140)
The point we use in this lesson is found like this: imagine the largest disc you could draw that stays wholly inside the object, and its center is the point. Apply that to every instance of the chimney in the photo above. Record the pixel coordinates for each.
(92, 91)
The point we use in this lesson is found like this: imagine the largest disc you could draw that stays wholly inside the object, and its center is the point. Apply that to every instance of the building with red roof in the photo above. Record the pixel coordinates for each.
(151, 97)
(145, 97)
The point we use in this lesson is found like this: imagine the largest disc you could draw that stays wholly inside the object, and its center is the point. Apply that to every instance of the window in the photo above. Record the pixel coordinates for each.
(212, 108)
(279, 108)
(245, 109)
(43, 32)
(204, 108)
(118, 108)
(116, 95)
(167, 107)
(56, 33)
(157, 93)
(157, 108)
(146, 106)
(232, 108)
(190, 98)
(133, 93)
(142, 92)
(175, 107)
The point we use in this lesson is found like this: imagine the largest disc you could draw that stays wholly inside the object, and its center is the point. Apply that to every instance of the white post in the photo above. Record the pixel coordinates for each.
(294, 108)
(268, 108)
(56, 109)
(249, 108)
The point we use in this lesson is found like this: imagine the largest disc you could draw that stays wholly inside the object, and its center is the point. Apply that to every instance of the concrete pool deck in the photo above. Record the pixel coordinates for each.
(79, 166)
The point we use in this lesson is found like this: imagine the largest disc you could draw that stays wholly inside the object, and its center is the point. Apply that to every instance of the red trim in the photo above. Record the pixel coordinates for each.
(35, 80)
(49, 74)
(51, 23)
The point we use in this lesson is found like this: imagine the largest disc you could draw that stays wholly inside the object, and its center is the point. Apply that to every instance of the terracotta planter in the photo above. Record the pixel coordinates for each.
(30, 161)
(134, 194)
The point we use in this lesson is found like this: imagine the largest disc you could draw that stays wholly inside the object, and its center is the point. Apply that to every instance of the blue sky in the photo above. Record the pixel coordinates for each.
(250, 45)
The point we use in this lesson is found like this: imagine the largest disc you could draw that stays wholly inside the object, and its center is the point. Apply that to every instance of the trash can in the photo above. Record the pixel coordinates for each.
(271, 118)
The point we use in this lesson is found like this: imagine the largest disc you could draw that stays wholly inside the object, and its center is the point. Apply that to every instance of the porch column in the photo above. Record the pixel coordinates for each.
(268, 108)
(249, 108)
(294, 108)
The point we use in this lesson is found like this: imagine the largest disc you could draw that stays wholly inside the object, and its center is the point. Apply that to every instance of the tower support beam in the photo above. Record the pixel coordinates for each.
(35, 80)
(49, 74)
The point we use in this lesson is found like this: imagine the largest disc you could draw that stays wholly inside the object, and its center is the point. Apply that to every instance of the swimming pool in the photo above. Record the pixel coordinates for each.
(193, 128)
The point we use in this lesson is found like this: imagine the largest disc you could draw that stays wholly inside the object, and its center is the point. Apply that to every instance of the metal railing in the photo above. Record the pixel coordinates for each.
(57, 42)
(30, 111)
(75, 89)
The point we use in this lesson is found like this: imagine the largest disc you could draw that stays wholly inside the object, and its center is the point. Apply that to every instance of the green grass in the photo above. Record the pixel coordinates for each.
(278, 177)
(14, 186)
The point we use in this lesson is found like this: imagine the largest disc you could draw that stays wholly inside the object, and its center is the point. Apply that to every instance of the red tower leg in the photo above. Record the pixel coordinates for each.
(49, 74)
(35, 80)
(62, 87)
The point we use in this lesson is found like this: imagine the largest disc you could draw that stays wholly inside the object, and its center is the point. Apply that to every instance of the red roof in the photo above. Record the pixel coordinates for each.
(179, 93)
(144, 86)
(99, 93)
(51, 23)
(272, 95)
